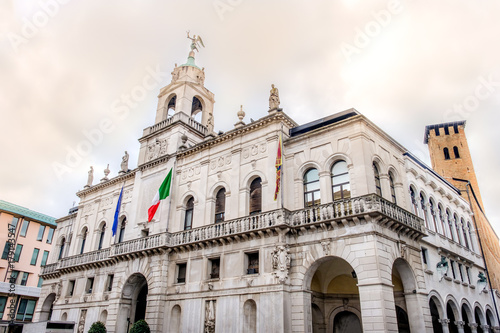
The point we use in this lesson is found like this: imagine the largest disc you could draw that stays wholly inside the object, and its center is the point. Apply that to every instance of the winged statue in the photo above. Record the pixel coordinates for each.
(195, 42)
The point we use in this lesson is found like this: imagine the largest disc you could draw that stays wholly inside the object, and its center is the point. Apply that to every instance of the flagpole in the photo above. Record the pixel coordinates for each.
(119, 209)
(282, 164)
(171, 197)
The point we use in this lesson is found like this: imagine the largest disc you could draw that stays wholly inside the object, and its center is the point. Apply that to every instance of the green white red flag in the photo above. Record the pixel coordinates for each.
(163, 193)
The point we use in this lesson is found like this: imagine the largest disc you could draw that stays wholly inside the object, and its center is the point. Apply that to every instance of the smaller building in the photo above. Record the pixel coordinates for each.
(26, 239)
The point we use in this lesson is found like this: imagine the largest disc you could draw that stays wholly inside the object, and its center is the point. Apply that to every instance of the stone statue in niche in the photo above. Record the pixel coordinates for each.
(274, 98)
(281, 262)
(81, 321)
(124, 164)
(90, 178)
(210, 316)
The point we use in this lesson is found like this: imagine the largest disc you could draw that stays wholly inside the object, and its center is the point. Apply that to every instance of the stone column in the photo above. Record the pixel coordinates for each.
(419, 314)
(473, 327)
(460, 326)
(444, 323)
(378, 310)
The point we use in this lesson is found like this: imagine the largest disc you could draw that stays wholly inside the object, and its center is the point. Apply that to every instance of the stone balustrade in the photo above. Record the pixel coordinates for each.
(176, 117)
(339, 211)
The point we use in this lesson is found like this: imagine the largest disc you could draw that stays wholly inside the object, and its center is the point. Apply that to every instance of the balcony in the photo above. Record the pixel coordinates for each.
(180, 116)
(343, 213)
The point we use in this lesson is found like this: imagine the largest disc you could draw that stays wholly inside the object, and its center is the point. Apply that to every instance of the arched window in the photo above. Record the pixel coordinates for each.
(457, 228)
(255, 204)
(441, 219)
(455, 151)
(122, 230)
(393, 189)
(340, 181)
(378, 188)
(311, 188)
(61, 249)
(188, 217)
(469, 226)
(171, 106)
(413, 201)
(423, 209)
(450, 224)
(220, 205)
(84, 239)
(101, 236)
(433, 214)
(446, 154)
(464, 233)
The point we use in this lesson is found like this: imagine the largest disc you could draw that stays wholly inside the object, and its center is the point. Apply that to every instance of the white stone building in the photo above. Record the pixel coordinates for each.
(344, 248)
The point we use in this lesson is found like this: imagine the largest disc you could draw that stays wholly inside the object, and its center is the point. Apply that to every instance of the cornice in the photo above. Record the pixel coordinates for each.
(112, 181)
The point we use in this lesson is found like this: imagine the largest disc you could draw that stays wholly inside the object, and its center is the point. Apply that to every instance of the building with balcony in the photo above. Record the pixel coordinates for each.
(361, 237)
(26, 239)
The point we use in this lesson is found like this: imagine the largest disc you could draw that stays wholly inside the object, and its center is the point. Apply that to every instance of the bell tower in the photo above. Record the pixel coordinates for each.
(184, 116)
(186, 92)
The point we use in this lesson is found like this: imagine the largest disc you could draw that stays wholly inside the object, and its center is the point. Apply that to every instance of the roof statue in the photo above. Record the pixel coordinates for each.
(195, 42)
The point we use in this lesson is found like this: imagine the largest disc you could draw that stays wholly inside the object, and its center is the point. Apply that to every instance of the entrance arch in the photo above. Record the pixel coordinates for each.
(46, 312)
(334, 305)
(436, 314)
(133, 302)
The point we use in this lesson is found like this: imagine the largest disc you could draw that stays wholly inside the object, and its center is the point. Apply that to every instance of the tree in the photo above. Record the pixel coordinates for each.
(140, 326)
(97, 327)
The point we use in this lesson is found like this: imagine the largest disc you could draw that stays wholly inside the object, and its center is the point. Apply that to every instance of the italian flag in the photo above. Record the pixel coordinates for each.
(163, 193)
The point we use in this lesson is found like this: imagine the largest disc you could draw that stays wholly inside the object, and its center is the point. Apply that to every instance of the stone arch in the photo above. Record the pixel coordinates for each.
(175, 319)
(61, 243)
(249, 316)
(299, 175)
(436, 297)
(346, 321)
(197, 108)
(64, 316)
(133, 301)
(408, 308)
(83, 238)
(46, 310)
(330, 161)
(436, 311)
(376, 159)
(170, 103)
(490, 318)
(452, 313)
(247, 180)
(466, 315)
(479, 315)
(103, 317)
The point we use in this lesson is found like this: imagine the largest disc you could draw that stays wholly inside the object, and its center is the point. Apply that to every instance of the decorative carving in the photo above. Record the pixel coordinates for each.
(274, 98)
(157, 149)
(58, 288)
(81, 321)
(220, 162)
(345, 302)
(201, 76)
(124, 164)
(442, 267)
(175, 74)
(281, 262)
(326, 247)
(195, 42)
(191, 172)
(254, 150)
(90, 178)
(209, 316)
(210, 122)
(404, 251)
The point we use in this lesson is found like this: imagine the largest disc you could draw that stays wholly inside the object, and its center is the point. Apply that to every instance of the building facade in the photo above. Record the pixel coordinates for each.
(356, 240)
(26, 238)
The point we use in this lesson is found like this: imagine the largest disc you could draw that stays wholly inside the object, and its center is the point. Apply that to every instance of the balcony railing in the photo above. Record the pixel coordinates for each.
(180, 116)
(339, 211)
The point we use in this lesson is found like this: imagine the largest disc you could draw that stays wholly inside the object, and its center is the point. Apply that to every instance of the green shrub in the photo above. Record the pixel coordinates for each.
(140, 326)
(97, 327)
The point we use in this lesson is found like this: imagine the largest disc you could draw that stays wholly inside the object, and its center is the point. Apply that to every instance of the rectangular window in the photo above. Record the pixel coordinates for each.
(13, 277)
(424, 256)
(214, 268)
(44, 258)
(17, 254)
(71, 287)
(109, 283)
(14, 222)
(24, 228)
(24, 280)
(40, 282)
(436, 131)
(467, 272)
(25, 310)
(3, 301)
(252, 260)
(460, 268)
(181, 273)
(50, 235)
(90, 285)
(446, 130)
(6, 249)
(452, 264)
(41, 231)
(34, 257)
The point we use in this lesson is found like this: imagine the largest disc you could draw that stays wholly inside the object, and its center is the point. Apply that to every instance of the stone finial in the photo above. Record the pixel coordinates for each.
(241, 115)
(106, 173)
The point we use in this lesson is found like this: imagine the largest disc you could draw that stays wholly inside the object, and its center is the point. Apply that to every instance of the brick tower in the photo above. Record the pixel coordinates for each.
(451, 158)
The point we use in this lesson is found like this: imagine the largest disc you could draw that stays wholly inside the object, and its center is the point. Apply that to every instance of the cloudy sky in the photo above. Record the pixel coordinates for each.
(64, 64)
